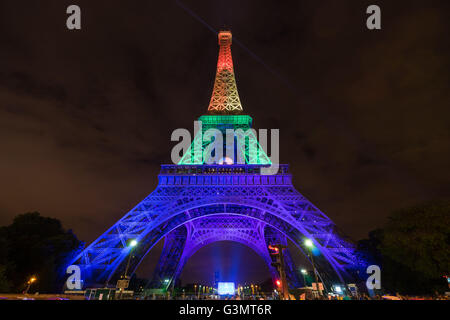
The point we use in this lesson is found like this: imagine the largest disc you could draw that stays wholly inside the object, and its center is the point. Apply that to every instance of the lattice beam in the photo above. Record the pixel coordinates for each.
(225, 97)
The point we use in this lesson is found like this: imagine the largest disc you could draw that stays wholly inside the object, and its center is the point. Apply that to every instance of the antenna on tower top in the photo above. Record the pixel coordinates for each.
(225, 38)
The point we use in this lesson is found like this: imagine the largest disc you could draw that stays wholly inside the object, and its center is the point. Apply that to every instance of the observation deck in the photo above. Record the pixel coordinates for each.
(226, 175)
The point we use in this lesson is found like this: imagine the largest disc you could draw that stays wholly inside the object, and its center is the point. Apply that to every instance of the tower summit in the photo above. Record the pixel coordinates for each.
(224, 112)
(225, 97)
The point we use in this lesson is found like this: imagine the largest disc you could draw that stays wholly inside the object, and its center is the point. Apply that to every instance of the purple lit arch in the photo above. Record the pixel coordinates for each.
(218, 202)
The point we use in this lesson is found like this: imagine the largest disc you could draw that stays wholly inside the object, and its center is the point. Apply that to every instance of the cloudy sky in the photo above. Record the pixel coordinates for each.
(86, 116)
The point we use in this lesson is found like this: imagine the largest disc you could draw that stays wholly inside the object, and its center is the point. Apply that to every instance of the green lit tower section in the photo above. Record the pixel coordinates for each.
(224, 112)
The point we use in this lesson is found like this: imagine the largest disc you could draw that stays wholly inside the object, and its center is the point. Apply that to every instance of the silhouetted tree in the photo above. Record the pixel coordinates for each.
(413, 249)
(36, 245)
(5, 285)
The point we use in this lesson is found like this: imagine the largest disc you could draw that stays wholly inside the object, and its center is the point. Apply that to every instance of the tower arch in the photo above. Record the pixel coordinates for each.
(204, 231)
(109, 264)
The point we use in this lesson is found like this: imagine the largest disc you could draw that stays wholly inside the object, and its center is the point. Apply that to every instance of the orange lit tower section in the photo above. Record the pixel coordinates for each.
(225, 112)
(225, 97)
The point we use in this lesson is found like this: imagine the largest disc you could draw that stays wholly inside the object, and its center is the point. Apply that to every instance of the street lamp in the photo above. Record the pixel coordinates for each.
(133, 243)
(29, 283)
(124, 284)
(310, 245)
(166, 282)
(304, 272)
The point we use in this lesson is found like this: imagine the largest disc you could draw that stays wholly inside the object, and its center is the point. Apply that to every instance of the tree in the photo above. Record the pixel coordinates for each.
(5, 285)
(413, 249)
(36, 245)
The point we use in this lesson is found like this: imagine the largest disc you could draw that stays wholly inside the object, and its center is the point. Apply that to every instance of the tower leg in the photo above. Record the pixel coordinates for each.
(165, 274)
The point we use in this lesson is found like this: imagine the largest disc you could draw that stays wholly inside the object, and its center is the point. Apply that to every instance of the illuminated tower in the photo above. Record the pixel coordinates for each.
(225, 97)
(197, 203)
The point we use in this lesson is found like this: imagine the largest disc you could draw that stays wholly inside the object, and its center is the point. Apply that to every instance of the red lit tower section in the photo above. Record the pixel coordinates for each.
(225, 97)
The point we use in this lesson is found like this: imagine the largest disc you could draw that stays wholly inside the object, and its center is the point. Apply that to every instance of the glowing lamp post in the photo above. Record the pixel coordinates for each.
(133, 243)
(304, 272)
(310, 245)
(123, 283)
(29, 283)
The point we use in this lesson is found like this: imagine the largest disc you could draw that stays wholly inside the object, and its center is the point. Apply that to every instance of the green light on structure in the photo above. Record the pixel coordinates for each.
(250, 150)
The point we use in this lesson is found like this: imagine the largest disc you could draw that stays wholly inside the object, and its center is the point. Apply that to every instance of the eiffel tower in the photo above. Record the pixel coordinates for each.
(196, 204)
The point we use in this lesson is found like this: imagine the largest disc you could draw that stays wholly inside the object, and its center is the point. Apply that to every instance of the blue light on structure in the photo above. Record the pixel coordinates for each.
(226, 288)
(196, 203)
(315, 251)
(210, 197)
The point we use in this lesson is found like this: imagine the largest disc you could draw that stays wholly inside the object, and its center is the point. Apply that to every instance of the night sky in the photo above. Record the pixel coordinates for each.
(86, 116)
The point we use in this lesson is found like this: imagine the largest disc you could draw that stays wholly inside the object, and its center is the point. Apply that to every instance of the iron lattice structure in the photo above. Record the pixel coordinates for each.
(196, 204)
(225, 97)
(248, 151)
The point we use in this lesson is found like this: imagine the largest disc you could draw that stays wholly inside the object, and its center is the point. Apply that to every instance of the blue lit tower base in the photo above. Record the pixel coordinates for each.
(196, 204)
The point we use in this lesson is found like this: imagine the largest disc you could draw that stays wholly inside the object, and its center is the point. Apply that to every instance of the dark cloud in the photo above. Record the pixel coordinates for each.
(86, 116)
